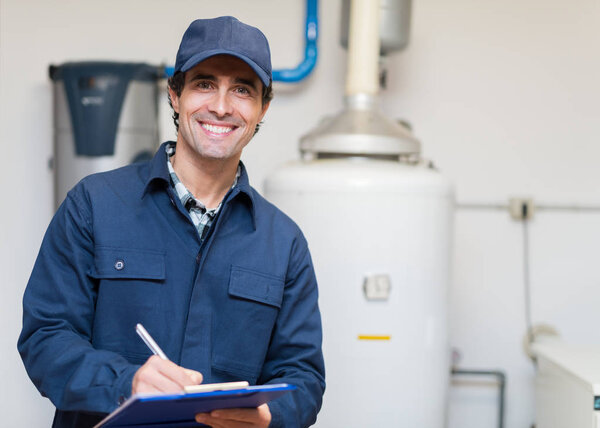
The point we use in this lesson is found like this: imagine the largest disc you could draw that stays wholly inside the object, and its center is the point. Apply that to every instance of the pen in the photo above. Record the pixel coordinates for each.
(141, 331)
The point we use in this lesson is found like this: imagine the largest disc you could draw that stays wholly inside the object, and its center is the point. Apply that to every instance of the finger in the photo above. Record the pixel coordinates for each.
(194, 375)
(201, 417)
(163, 383)
(242, 415)
(260, 416)
(164, 376)
(175, 373)
(145, 388)
(150, 380)
(207, 419)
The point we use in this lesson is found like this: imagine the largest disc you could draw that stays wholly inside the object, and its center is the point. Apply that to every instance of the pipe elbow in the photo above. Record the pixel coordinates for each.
(293, 75)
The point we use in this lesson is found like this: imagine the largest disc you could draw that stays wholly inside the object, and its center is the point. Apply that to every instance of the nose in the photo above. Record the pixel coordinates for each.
(220, 104)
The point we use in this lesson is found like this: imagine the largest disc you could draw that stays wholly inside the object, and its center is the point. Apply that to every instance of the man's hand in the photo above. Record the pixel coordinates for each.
(158, 375)
(237, 418)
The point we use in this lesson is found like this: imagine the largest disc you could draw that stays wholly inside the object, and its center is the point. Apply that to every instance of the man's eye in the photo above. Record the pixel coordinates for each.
(242, 90)
(204, 85)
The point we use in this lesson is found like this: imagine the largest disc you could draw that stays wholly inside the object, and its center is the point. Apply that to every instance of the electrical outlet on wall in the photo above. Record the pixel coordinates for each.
(521, 208)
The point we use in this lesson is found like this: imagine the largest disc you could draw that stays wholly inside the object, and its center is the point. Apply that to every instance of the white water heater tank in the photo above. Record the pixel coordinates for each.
(379, 233)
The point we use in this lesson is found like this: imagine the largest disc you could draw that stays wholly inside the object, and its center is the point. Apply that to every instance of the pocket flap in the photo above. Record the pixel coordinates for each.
(257, 286)
(129, 263)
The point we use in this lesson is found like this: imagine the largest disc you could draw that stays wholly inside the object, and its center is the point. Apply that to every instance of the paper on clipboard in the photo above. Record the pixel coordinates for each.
(180, 409)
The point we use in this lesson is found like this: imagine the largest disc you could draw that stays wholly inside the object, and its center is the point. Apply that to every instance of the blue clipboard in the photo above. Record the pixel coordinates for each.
(179, 410)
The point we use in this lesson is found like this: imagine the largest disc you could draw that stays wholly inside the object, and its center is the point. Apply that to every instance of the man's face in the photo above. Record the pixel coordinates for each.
(219, 107)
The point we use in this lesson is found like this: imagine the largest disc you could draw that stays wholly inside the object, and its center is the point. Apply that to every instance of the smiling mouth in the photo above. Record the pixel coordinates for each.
(215, 129)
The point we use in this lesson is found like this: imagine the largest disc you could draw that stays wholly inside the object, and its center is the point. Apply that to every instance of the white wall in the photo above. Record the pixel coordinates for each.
(503, 95)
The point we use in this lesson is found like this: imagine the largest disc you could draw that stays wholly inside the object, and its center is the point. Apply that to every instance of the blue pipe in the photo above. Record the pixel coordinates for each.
(294, 75)
(310, 54)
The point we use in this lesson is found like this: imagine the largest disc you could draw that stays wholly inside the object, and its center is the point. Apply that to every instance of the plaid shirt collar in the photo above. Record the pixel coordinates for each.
(200, 215)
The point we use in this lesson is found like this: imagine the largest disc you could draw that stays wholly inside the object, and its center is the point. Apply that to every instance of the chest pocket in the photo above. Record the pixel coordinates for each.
(243, 331)
(125, 263)
(256, 286)
(130, 287)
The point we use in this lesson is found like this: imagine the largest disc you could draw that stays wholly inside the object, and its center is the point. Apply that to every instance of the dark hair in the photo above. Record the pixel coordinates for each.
(177, 81)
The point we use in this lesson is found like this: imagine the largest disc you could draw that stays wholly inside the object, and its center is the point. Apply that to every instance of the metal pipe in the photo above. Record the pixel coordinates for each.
(501, 386)
(538, 207)
(476, 206)
(527, 279)
(575, 208)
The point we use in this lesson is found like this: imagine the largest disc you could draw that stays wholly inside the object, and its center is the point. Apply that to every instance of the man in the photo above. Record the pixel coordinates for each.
(220, 278)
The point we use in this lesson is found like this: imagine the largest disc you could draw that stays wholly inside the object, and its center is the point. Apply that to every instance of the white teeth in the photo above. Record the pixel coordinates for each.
(216, 129)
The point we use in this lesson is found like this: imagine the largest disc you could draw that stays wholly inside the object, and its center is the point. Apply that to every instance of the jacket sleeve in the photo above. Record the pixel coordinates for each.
(58, 313)
(295, 355)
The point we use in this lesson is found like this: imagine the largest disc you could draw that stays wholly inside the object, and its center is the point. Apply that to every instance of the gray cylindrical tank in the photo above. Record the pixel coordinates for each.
(105, 117)
(394, 24)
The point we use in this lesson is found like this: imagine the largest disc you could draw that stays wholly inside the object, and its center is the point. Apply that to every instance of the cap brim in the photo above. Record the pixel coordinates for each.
(198, 58)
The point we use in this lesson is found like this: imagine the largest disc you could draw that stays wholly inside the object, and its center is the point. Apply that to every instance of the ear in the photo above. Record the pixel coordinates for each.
(264, 111)
(174, 100)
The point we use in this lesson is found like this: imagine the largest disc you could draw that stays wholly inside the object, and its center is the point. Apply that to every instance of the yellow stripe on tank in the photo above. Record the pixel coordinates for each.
(373, 337)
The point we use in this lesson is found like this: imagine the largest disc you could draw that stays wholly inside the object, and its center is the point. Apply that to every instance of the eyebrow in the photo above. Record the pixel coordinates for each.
(212, 78)
(203, 77)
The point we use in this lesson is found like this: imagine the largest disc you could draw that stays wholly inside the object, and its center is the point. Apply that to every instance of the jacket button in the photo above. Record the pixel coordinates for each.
(119, 264)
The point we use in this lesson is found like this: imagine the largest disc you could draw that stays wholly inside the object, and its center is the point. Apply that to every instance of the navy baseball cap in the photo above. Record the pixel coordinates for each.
(225, 35)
